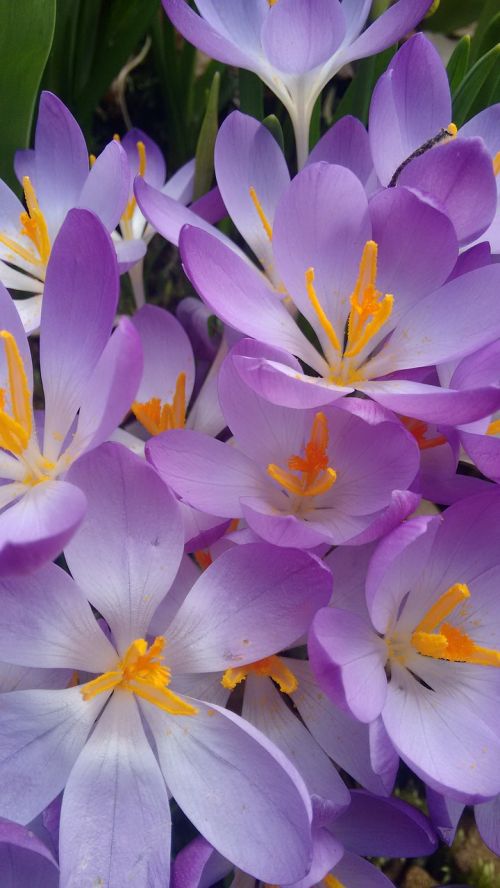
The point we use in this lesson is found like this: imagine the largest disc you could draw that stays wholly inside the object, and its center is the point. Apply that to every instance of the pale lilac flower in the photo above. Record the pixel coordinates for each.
(295, 46)
(421, 650)
(89, 381)
(55, 176)
(232, 783)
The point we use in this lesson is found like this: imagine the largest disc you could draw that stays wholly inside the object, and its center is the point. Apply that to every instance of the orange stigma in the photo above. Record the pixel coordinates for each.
(157, 418)
(308, 475)
(369, 309)
(418, 429)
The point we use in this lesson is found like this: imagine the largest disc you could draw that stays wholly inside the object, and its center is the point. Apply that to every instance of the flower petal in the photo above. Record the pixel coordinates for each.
(298, 36)
(107, 186)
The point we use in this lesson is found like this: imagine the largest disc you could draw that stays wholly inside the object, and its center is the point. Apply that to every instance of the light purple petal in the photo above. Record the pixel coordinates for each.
(130, 544)
(36, 528)
(61, 159)
(354, 870)
(410, 105)
(167, 353)
(41, 735)
(46, 621)
(198, 865)
(213, 763)
(115, 817)
(196, 30)
(207, 474)
(107, 186)
(156, 171)
(80, 299)
(238, 20)
(247, 605)
(348, 660)
(459, 177)
(445, 814)
(110, 390)
(128, 253)
(166, 214)
(248, 156)
(387, 28)
(433, 404)
(25, 165)
(346, 144)
(298, 35)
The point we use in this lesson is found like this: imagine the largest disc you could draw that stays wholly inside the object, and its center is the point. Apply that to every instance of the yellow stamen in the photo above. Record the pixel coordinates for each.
(369, 312)
(331, 882)
(261, 214)
(449, 642)
(157, 418)
(496, 164)
(141, 672)
(452, 130)
(318, 308)
(34, 227)
(92, 160)
(315, 475)
(116, 137)
(494, 427)
(272, 2)
(15, 429)
(141, 151)
(272, 667)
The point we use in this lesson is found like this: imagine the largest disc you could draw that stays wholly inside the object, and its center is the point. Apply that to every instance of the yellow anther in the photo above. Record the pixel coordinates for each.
(494, 427)
(141, 672)
(129, 209)
(92, 160)
(16, 428)
(369, 312)
(34, 227)
(496, 164)
(270, 667)
(318, 308)
(452, 130)
(157, 418)
(449, 642)
(314, 476)
(261, 214)
(272, 2)
(116, 137)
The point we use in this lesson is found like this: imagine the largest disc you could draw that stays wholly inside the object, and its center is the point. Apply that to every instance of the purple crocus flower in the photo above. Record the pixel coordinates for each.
(55, 177)
(298, 477)
(163, 402)
(373, 283)
(83, 372)
(370, 826)
(421, 649)
(294, 46)
(232, 783)
(411, 106)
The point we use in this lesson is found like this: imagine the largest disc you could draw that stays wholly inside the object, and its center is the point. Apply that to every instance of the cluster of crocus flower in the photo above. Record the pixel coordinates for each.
(241, 572)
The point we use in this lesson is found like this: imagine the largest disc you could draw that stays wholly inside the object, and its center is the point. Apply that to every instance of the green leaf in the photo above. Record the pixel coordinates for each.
(272, 123)
(26, 32)
(489, 11)
(472, 84)
(204, 170)
(453, 14)
(491, 35)
(251, 94)
(458, 64)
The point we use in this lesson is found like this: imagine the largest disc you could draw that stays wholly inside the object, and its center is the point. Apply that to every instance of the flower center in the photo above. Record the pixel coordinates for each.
(157, 418)
(370, 310)
(271, 667)
(141, 672)
(310, 474)
(34, 227)
(449, 642)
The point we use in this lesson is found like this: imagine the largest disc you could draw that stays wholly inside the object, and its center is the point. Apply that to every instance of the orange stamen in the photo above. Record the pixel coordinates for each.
(315, 476)
(271, 667)
(157, 418)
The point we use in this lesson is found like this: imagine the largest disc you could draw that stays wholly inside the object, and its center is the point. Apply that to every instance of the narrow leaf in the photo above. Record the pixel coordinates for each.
(458, 64)
(471, 85)
(204, 171)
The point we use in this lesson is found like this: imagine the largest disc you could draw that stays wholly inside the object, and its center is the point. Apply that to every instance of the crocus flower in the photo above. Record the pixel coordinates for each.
(232, 783)
(421, 650)
(370, 826)
(55, 177)
(371, 282)
(163, 402)
(294, 46)
(298, 477)
(83, 372)
(411, 110)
